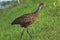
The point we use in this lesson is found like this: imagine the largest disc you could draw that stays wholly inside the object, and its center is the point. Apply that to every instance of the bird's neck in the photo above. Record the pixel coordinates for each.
(38, 10)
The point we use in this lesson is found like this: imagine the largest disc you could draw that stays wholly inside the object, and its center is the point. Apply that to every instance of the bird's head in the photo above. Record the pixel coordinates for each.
(42, 4)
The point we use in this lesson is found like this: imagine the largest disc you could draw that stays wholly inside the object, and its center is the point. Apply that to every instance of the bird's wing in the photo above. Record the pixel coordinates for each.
(26, 18)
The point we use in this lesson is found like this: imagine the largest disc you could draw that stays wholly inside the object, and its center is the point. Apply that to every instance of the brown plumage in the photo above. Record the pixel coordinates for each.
(27, 19)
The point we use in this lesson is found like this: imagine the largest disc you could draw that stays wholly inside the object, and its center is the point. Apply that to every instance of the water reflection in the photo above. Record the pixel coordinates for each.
(6, 6)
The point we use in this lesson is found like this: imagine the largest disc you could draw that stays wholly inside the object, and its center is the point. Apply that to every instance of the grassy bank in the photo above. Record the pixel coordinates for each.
(46, 27)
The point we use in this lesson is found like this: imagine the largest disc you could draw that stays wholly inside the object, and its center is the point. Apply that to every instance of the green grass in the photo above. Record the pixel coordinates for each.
(46, 27)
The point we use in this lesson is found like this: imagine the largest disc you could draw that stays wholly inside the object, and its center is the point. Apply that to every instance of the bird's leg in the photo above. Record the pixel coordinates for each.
(21, 34)
(29, 34)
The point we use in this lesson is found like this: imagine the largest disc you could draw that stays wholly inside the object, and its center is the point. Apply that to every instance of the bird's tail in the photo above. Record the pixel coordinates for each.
(12, 23)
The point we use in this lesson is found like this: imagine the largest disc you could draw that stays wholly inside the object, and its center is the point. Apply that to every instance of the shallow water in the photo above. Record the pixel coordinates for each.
(6, 6)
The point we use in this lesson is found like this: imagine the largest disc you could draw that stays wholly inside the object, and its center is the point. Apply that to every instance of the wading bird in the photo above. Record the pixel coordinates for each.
(27, 19)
